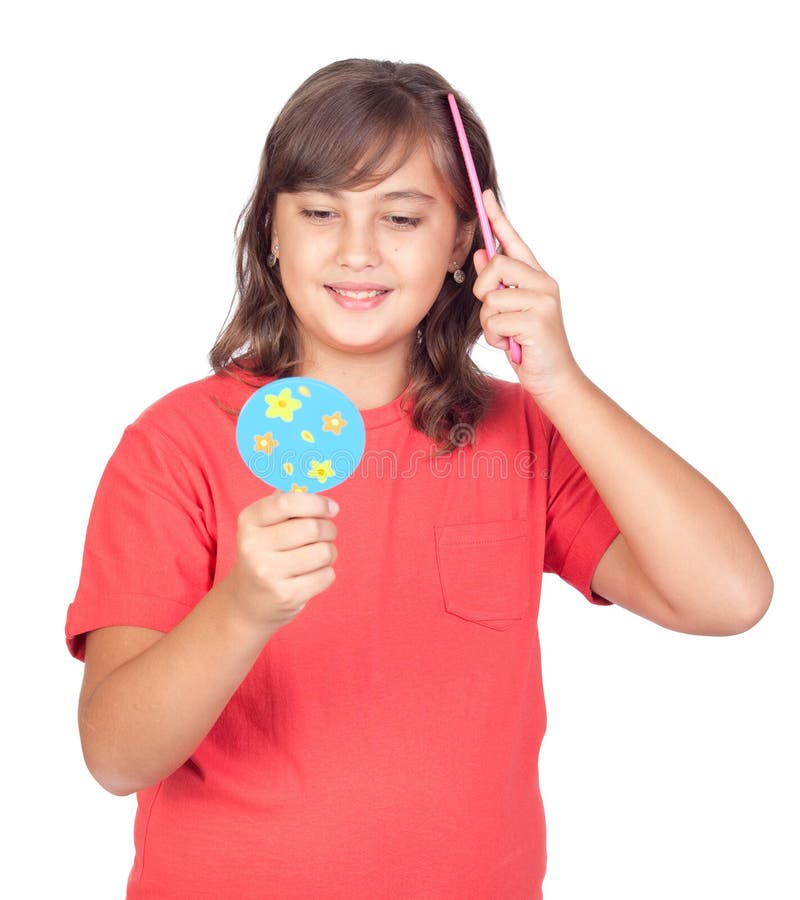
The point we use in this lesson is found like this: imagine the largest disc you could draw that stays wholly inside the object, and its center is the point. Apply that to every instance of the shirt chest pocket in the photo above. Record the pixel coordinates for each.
(484, 571)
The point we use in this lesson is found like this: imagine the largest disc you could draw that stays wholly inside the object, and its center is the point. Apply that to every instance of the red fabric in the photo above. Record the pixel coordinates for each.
(385, 744)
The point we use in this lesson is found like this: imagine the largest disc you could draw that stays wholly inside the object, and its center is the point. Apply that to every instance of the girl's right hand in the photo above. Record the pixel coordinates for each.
(285, 556)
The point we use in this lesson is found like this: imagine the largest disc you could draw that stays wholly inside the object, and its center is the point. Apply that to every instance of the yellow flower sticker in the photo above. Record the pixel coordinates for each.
(282, 406)
(322, 471)
(334, 423)
(265, 443)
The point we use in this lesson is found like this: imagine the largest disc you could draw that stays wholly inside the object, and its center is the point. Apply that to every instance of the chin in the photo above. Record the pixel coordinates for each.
(358, 340)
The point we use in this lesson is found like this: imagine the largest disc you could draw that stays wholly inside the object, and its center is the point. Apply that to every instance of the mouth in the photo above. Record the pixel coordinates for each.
(353, 296)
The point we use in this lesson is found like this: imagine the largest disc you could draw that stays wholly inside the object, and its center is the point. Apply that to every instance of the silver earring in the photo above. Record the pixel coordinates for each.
(272, 256)
(458, 275)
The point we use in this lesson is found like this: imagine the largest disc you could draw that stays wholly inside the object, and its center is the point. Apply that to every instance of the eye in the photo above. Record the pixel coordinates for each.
(318, 215)
(404, 222)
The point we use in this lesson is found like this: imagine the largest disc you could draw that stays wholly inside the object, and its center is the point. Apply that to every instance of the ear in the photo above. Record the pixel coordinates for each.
(463, 242)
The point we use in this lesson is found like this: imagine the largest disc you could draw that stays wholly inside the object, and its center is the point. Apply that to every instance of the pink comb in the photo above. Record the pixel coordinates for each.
(486, 229)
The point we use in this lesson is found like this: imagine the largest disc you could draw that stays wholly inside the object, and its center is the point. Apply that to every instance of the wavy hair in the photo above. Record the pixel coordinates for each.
(340, 130)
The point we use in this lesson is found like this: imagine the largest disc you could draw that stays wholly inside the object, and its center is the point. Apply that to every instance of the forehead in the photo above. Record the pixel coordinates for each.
(402, 176)
(417, 174)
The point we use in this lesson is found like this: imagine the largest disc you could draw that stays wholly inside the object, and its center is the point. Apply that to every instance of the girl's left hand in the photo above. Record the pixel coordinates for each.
(529, 309)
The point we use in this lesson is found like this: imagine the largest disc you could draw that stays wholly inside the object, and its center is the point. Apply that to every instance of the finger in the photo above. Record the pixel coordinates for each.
(509, 300)
(510, 242)
(295, 533)
(304, 587)
(309, 559)
(491, 333)
(498, 327)
(480, 259)
(282, 505)
(511, 272)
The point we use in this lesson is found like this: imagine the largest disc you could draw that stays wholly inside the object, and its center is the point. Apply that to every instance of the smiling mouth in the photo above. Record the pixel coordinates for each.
(357, 295)
(350, 298)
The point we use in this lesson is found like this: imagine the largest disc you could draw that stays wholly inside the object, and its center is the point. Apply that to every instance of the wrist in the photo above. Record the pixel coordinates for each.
(562, 398)
(232, 614)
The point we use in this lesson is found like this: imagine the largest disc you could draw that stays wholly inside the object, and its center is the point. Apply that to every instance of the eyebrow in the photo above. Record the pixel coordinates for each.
(410, 194)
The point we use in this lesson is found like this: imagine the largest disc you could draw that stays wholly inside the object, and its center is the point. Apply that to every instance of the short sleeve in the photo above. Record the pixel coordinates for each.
(149, 555)
(579, 526)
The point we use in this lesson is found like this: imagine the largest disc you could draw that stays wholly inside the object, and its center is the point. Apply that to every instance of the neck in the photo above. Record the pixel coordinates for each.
(367, 380)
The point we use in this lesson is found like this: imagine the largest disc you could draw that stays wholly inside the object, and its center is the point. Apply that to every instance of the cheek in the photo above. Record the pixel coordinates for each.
(298, 255)
(292, 270)
(426, 280)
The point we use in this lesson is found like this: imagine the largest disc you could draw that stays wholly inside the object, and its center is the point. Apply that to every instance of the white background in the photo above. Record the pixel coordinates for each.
(647, 152)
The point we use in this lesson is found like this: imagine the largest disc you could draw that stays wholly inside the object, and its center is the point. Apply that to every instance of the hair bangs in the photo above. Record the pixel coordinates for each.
(351, 142)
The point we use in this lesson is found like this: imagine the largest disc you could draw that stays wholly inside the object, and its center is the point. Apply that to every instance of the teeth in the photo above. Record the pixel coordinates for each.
(358, 295)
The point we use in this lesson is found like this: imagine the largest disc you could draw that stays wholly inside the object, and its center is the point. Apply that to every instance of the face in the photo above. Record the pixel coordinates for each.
(362, 268)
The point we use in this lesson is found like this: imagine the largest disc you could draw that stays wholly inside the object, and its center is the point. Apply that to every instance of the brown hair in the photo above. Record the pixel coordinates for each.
(339, 130)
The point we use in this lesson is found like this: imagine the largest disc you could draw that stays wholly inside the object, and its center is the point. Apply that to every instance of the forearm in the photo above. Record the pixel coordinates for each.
(684, 534)
(148, 716)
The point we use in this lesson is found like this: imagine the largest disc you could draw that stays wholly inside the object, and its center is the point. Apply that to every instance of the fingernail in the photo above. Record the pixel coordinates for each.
(333, 506)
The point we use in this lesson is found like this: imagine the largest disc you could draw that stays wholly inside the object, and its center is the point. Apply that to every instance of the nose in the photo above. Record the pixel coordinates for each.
(358, 246)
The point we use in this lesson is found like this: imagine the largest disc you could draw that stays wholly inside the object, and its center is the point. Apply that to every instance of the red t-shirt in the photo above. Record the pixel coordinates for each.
(385, 743)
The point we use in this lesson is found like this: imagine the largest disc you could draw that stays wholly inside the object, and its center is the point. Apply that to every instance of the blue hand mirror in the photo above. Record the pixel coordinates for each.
(300, 434)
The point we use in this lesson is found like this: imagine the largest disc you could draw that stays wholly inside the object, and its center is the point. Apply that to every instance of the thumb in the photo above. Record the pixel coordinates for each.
(481, 260)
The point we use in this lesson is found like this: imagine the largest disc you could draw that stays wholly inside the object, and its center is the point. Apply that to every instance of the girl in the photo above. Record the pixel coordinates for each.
(342, 698)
